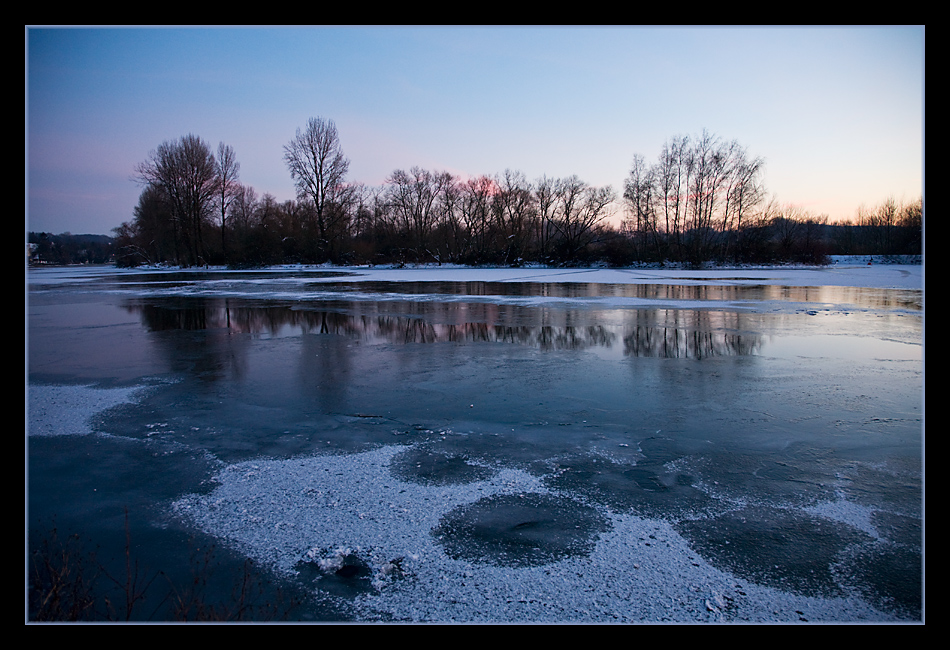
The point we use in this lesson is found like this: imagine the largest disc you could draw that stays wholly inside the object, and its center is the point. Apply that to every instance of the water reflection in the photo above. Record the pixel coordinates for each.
(858, 296)
(696, 340)
(664, 333)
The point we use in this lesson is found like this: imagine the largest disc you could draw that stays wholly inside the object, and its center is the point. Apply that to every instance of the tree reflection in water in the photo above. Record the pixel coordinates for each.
(664, 333)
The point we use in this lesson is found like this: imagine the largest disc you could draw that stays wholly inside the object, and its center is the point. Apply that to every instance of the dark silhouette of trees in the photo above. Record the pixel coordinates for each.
(184, 171)
(475, 205)
(691, 205)
(67, 248)
(579, 210)
(417, 199)
(152, 236)
(545, 193)
(892, 228)
(516, 214)
(702, 200)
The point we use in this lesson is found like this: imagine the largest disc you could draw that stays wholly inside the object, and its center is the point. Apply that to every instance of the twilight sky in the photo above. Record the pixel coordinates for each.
(836, 112)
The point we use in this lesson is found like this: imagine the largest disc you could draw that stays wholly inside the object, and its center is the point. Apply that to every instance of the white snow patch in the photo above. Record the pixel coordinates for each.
(846, 512)
(318, 509)
(66, 410)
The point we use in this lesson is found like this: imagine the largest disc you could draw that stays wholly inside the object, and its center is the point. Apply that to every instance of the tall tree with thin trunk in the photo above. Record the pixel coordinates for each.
(318, 168)
(546, 198)
(227, 168)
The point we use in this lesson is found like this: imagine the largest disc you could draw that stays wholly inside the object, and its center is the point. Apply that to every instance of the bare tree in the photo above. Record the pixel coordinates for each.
(699, 191)
(243, 206)
(451, 239)
(227, 168)
(581, 208)
(710, 161)
(415, 197)
(746, 192)
(185, 170)
(475, 214)
(787, 225)
(545, 195)
(362, 220)
(241, 222)
(149, 237)
(318, 167)
(155, 225)
(673, 178)
(640, 191)
(515, 213)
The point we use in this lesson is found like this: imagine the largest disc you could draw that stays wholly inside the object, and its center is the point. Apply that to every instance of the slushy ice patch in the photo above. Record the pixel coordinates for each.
(887, 575)
(646, 488)
(425, 466)
(786, 549)
(520, 529)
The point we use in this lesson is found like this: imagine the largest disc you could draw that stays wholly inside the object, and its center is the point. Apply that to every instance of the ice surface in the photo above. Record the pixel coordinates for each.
(640, 570)
(365, 421)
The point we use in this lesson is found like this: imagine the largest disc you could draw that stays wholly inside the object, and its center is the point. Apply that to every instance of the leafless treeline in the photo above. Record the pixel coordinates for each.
(694, 200)
(702, 200)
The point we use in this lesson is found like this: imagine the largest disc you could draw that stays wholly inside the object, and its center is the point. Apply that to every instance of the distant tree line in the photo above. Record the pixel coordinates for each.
(66, 248)
(702, 200)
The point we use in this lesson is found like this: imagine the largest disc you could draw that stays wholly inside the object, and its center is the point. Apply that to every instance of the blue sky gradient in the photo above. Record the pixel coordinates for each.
(836, 112)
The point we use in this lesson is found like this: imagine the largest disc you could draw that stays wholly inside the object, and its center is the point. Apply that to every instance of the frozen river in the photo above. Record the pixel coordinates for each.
(493, 445)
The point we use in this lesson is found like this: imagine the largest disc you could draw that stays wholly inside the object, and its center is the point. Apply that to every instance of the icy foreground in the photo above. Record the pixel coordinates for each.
(318, 511)
(405, 532)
